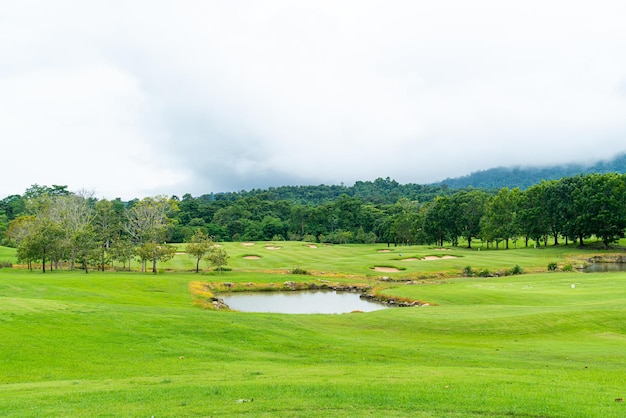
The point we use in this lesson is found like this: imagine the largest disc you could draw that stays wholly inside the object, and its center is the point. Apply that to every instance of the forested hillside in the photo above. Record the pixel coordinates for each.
(524, 177)
(54, 225)
(379, 191)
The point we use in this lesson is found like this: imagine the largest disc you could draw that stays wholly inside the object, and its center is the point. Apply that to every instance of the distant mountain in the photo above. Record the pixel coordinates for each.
(524, 177)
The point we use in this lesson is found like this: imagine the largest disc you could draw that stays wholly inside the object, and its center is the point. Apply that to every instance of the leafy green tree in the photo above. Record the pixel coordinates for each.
(500, 220)
(218, 257)
(123, 250)
(199, 246)
(533, 216)
(602, 206)
(154, 253)
(107, 226)
(40, 241)
(469, 209)
(438, 221)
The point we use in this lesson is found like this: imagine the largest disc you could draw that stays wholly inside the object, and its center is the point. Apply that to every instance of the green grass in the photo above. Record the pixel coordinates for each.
(132, 344)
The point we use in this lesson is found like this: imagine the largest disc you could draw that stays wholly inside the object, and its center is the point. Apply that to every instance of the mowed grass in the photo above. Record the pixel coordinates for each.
(360, 260)
(132, 344)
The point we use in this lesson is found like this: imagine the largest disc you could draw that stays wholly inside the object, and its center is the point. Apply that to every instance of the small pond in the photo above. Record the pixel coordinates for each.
(300, 302)
(604, 267)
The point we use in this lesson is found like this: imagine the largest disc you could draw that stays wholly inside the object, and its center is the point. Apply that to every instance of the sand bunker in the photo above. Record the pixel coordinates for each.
(312, 246)
(247, 244)
(251, 257)
(410, 259)
(384, 251)
(272, 248)
(386, 269)
(432, 257)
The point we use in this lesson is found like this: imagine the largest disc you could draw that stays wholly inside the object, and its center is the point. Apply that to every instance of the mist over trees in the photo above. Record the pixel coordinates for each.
(51, 226)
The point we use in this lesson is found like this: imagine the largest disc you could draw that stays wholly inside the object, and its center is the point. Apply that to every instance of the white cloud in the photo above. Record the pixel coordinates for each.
(135, 98)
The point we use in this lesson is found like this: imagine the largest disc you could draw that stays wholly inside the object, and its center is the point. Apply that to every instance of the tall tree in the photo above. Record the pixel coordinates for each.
(149, 223)
(500, 219)
(199, 247)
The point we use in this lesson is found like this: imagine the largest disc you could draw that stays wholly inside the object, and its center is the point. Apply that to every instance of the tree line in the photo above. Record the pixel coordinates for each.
(54, 225)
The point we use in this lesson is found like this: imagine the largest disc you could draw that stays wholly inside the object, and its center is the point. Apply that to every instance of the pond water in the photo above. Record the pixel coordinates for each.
(604, 267)
(300, 302)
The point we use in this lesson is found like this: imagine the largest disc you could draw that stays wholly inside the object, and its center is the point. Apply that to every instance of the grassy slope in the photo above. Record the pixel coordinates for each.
(111, 343)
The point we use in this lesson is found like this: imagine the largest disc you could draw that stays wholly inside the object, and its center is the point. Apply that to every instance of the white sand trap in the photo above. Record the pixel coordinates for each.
(180, 252)
(432, 257)
(272, 248)
(251, 257)
(247, 244)
(312, 246)
(384, 251)
(410, 259)
(442, 249)
(386, 269)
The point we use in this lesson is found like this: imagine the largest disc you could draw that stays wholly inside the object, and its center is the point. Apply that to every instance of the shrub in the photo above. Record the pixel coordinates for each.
(484, 273)
(552, 266)
(5, 264)
(467, 271)
(568, 267)
(299, 270)
(516, 270)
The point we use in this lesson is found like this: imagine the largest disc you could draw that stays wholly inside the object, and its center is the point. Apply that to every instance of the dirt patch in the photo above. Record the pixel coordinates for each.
(272, 248)
(432, 257)
(251, 257)
(247, 244)
(386, 269)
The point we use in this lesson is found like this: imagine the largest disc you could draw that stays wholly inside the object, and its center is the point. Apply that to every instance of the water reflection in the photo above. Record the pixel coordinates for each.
(300, 302)
(604, 267)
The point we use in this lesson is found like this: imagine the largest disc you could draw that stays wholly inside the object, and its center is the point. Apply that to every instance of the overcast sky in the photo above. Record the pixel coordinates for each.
(139, 98)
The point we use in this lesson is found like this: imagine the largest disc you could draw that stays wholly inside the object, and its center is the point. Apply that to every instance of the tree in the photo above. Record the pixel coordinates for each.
(40, 241)
(123, 250)
(218, 257)
(73, 213)
(601, 205)
(200, 245)
(148, 224)
(500, 220)
(470, 208)
(438, 221)
(155, 252)
(107, 226)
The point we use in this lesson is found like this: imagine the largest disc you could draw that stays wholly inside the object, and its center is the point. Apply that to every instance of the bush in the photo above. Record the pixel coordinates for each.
(484, 273)
(5, 264)
(299, 270)
(467, 271)
(568, 267)
(516, 270)
(552, 266)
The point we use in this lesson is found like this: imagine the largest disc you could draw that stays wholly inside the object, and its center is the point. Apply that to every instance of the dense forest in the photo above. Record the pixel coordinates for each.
(524, 177)
(54, 225)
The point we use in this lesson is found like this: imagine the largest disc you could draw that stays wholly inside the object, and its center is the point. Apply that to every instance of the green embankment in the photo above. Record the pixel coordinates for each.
(132, 344)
